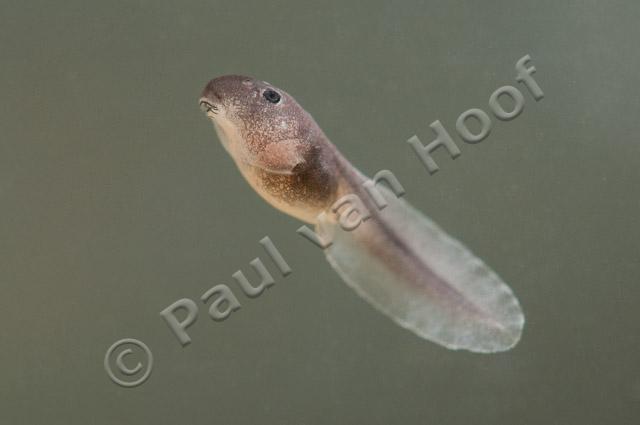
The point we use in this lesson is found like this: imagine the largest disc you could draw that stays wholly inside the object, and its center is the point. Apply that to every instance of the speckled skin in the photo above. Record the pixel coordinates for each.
(279, 148)
(287, 159)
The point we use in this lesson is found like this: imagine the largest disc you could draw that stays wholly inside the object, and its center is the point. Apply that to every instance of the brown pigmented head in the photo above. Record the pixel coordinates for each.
(275, 143)
(259, 116)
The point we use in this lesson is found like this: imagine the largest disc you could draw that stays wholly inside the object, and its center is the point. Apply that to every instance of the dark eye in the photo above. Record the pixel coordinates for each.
(271, 95)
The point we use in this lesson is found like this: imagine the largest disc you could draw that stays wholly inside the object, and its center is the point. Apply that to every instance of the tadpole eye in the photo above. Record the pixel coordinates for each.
(271, 95)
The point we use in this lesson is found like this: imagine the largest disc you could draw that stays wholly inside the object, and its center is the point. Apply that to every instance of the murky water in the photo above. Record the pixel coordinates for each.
(117, 200)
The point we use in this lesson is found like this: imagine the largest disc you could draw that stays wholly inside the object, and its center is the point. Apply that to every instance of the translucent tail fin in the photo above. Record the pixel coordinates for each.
(411, 270)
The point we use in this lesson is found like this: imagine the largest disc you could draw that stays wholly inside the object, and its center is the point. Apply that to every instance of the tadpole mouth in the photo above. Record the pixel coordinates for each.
(208, 107)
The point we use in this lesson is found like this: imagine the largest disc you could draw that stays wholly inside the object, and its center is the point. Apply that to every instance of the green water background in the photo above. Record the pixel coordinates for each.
(116, 199)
